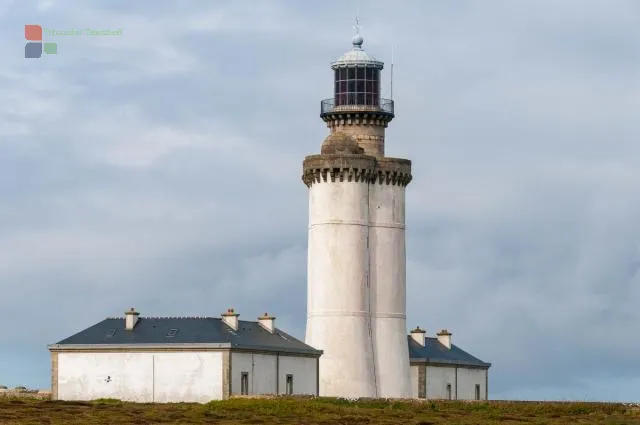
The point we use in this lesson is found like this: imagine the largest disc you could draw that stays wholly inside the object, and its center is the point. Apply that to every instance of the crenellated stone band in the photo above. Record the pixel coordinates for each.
(356, 168)
(359, 118)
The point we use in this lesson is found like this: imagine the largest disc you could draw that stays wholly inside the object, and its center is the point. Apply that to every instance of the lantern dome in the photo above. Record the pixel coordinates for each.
(357, 56)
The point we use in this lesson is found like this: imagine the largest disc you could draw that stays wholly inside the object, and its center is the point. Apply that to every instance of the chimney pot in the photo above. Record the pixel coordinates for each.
(444, 337)
(418, 335)
(130, 319)
(267, 322)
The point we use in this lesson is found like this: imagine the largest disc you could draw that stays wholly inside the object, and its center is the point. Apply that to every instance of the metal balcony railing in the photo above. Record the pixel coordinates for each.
(352, 103)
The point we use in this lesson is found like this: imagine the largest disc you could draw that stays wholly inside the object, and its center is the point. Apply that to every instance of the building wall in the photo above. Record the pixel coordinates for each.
(338, 314)
(437, 378)
(141, 377)
(414, 381)
(304, 371)
(468, 379)
(262, 370)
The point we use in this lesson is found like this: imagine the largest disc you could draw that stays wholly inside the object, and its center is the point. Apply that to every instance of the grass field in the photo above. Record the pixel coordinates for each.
(315, 411)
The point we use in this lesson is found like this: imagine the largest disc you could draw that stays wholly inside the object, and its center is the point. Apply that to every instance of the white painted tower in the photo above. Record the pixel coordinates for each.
(356, 289)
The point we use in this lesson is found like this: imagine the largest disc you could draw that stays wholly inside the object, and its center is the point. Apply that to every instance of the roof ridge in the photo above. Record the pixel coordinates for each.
(170, 317)
(179, 317)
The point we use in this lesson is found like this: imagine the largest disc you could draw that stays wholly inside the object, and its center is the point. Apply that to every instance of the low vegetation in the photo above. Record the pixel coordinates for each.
(19, 411)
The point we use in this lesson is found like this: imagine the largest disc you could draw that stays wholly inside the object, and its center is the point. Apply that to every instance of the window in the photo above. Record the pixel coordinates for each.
(244, 383)
(477, 392)
(358, 85)
(448, 391)
(289, 384)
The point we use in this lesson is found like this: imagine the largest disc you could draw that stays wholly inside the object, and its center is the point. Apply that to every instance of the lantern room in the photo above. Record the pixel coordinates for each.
(357, 83)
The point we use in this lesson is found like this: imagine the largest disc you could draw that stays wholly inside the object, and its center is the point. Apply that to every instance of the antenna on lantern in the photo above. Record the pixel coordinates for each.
(391, 75)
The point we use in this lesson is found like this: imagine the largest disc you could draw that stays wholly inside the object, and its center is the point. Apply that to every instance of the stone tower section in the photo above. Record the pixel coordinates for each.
(356, 288)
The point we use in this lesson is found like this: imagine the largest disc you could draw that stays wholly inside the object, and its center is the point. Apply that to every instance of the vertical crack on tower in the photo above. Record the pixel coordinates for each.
(370, 316)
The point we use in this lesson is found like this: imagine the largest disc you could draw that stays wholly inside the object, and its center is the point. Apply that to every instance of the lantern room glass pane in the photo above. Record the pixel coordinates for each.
(358, 85)
(369, 99)
(369, 86)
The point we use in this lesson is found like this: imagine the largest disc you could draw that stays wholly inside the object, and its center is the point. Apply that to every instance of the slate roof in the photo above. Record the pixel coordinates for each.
(185, 330)
(434, 352)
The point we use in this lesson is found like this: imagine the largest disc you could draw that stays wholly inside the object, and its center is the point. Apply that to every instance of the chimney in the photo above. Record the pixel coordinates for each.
(130, 318)
(418, 335)
(230, 318)
(267, 322)
(444, 337)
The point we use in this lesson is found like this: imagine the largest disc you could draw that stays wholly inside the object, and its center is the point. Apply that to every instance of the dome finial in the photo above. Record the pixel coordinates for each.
(357, 39)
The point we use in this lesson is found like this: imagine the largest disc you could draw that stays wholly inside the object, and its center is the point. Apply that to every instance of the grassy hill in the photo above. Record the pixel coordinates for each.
(315, 411)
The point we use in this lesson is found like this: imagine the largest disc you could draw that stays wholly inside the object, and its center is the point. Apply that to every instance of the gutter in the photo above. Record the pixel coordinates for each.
(310, 351)
(65, 347)
(181, 345)
(447, 362)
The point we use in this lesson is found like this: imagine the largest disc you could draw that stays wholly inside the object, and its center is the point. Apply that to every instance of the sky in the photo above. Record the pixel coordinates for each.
(161, 169)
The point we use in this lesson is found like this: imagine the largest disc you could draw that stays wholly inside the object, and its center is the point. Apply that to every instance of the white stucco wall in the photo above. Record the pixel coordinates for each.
(262, 369)
(338, 319)
(387, 279)
(414, 381)
(304, 371)
(437, 379)
(140, 377)
(467, 380)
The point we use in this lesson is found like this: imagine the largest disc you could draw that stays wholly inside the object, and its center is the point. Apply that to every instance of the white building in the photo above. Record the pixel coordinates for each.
(185, 359)
(441, 370)
(356, 282)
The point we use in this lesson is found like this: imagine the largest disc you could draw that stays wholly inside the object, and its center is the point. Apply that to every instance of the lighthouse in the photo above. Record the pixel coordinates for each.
(356, 270)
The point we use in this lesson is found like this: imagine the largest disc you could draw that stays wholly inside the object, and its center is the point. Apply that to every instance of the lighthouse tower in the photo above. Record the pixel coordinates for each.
(356, 307)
